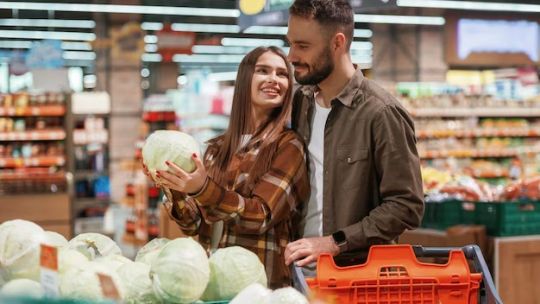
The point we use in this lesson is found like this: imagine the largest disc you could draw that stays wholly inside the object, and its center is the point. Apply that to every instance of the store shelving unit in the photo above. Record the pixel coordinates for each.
(35, 183)
(89, 129)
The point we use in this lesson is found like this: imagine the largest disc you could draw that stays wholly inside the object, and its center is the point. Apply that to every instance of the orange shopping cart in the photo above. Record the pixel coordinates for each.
(392, 274)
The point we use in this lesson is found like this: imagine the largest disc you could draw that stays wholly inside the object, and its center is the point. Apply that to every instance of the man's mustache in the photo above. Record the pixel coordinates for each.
(299, 64)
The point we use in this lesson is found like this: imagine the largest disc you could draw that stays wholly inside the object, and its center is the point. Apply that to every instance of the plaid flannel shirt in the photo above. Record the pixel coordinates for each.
(257, 217)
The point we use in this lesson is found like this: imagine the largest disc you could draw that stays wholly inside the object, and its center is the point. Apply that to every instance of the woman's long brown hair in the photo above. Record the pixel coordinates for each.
(242, 121)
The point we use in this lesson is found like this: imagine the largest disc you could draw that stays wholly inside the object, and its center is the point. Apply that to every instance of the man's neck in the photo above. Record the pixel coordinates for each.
(333, 85)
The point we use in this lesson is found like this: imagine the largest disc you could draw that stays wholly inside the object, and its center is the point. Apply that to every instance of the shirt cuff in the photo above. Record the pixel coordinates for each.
(210, 194)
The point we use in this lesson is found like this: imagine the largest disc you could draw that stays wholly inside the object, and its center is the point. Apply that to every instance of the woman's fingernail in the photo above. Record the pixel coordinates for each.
(167, 162)
(194, 155)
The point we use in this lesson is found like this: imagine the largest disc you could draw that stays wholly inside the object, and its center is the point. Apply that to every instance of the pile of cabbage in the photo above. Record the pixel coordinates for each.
(164, 271)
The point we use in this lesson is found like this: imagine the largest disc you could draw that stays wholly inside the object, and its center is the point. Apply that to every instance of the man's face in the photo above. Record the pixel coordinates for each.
(310, 52)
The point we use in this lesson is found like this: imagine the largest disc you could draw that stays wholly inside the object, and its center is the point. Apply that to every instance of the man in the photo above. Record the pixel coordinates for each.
(365, 172)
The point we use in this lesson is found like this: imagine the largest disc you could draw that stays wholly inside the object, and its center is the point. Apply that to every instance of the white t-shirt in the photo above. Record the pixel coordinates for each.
(313, 221)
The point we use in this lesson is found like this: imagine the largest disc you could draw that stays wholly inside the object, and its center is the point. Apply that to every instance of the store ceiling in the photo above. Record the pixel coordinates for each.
(9, 14)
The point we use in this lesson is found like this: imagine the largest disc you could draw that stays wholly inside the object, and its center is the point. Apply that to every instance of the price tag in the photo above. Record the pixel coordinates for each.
(108, 288)
(49, 270)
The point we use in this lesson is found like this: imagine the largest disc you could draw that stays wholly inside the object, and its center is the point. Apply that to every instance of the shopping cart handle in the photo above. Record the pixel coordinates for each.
(299, 281)
(473, 253)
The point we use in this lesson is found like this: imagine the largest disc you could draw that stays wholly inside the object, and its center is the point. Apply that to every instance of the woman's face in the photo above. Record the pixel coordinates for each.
(269, 84)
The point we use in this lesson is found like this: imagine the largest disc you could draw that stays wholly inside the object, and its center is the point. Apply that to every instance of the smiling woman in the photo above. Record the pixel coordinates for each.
(253, 179)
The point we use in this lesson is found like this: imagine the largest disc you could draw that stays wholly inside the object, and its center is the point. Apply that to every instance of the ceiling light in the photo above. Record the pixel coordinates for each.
(151, 48)
(123, 9)
(151, 57)
(150, 39)
(399, 19)
(218, 49)
(251, 42)
(472, 5)
(222, 76)
(25, 44)
(48, 23)
(361, 45)
(206, 28)
(47, 35)
(208, 58)
(69, 55)
(152, 26)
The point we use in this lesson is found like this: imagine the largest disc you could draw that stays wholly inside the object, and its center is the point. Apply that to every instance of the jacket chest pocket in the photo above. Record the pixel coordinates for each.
(352, 166)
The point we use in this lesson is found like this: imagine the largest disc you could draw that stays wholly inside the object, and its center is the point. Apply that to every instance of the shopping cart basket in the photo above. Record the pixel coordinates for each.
(392, 274)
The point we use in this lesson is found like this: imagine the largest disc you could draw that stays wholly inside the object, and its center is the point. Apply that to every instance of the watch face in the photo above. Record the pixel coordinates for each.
(339, 237)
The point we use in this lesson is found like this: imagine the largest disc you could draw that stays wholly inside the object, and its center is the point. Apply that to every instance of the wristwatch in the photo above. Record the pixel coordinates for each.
(339, 238)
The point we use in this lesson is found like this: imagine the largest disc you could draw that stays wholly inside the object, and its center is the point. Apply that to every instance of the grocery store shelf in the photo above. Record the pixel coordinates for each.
(478, 153)
(13, 176)
(33, 135)
(475, 112)
(50, 110)
(507, 132)
(44, 161)
(90, 173)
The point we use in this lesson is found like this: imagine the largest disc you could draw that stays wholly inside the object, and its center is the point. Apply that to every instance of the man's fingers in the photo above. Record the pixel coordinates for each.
(298, 254)
(306, 261)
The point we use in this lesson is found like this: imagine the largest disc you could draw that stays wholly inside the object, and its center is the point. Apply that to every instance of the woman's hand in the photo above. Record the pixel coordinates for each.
(177, 179)
(147, 172)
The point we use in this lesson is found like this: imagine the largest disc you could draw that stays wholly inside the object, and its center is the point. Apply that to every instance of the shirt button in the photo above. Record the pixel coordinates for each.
(349, 160)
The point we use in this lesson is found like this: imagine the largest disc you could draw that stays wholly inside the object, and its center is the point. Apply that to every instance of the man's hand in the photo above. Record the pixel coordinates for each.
(306, 251)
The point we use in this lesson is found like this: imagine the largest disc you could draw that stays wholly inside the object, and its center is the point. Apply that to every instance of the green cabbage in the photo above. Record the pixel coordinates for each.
(20, 242)
(254, 293)
(231, 270)
(69, 258)
(168, 145)
(181, 271)
(137, 284)
(94, 245)
(114, 261)
(55, 239)
(82, 282)
(22, 288)
(287, 295)
(151, 250)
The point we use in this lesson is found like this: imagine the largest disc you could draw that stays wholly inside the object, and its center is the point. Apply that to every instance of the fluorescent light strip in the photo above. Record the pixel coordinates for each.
(48, 23)
(24, 44)
(251, 42)
(472, 5)
(47, 35)
(205, 28)
(69, 55)
(222, 76)
(361, 45)
(123, 9)
(152, 26)
(150, 39)
(399, 19)
(151, 48)
(208, 58)
(151, 57)
(217, 49)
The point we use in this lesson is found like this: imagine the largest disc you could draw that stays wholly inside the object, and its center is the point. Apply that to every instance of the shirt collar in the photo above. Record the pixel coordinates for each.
(349, 92)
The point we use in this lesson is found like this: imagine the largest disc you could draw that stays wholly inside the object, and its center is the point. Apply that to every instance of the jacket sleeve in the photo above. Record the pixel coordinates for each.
(273, 198)
(400, 182)
(183, 211)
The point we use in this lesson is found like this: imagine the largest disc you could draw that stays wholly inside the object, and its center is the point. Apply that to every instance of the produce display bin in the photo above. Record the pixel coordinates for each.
(509, 218)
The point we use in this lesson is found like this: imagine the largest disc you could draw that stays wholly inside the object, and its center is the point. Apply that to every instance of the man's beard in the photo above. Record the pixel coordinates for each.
(318, 72)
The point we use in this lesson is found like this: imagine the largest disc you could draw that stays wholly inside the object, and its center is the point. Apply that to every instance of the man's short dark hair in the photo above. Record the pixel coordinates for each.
(333, 15)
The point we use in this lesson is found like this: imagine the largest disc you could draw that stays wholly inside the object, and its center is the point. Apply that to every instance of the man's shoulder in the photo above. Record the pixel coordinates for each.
(378, 96)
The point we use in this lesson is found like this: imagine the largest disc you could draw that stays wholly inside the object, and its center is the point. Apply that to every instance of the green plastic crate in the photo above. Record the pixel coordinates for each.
(441, 215)
(509, 218)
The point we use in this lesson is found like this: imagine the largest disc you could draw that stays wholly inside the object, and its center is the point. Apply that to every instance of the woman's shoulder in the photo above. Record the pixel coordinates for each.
(290, 136)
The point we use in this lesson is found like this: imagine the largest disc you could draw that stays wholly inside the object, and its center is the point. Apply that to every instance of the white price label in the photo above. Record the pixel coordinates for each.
(49, 270)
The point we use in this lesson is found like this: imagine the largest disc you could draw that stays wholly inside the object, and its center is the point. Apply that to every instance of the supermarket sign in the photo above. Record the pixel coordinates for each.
(276, 12)
(174, 42)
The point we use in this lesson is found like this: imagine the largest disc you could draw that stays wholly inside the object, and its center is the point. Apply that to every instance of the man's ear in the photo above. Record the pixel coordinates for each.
(340, 41)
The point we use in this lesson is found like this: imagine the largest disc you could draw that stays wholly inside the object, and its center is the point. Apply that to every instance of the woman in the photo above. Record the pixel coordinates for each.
(254, 176)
